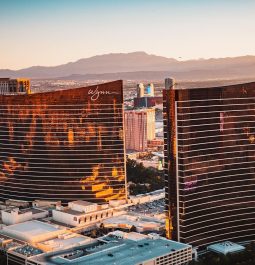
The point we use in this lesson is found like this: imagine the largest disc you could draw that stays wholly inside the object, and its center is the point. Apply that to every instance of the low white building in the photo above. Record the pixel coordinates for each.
(33, 231)
(141, 223)
(15, 215)
(63, 241)
(83, 206)
(45, 203)
(75, 218)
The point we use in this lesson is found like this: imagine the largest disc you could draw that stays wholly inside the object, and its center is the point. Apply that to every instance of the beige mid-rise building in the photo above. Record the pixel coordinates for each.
(139, 128)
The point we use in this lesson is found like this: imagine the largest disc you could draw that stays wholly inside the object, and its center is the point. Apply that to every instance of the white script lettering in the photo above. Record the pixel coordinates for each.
(95, 93)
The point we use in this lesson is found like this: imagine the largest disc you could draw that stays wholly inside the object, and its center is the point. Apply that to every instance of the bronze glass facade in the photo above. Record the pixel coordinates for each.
(210, 163)
(63, 145)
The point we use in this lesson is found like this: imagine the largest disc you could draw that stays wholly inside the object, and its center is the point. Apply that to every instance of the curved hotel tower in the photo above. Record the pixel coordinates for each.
(210, 163)
(63, 145)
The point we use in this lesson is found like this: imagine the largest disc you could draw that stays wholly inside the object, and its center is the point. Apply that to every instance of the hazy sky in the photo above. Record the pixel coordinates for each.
(52, 32)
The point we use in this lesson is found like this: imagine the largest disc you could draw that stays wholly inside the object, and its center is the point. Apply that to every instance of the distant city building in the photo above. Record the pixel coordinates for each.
(145, 91)
(209, 163)
(139, 128)
(14, 86)
(157, 142)
(63, 145)
(146, 96)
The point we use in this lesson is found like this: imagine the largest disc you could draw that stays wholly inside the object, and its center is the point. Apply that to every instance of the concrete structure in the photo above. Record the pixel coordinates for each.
(14, 86)
(64, 241)
(140, 90)
(7, 242)
(146, 97)
(140, 223)
(17, 203)
(83, 206)
(33, 231)
(139, 128)
(21, 254)
(45, 203)
(148, 197)
(121, 248)
(72, 217)
(155, 143)
(145, 91)
(15, 216)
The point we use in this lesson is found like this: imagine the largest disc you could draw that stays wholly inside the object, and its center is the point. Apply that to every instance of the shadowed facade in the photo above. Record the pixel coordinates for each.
(210, 163)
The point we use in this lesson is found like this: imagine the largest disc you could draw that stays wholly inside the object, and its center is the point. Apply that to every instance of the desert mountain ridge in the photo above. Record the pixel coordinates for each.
(140, 65)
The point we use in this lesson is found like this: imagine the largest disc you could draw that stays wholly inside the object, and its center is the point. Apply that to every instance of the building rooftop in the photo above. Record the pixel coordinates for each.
(83, 203)
(7, 242)
(116, 251)
(33, 231)
(32, 228)
(27, 251)
(225, 247)
(22, 211)
(140, 222)
(151, 208)
(72, 212)
(67, 240)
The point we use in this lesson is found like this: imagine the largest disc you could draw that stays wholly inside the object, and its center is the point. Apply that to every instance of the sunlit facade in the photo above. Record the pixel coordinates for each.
(139, 128)
(63, 145)
(210, 163)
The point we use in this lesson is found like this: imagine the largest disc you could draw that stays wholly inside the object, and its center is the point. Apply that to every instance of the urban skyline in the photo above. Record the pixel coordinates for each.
(127, 132)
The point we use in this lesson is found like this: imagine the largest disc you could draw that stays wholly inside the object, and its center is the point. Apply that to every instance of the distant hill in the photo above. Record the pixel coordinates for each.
(140, 65)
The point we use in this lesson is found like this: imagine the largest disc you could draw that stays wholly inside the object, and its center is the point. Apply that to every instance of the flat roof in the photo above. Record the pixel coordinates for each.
(72, 212)
(83, 203)
(5, 237)
(136, 220)
(26, 210)
(67, 240)
(27, 251)
(127, 251)
(31, 228)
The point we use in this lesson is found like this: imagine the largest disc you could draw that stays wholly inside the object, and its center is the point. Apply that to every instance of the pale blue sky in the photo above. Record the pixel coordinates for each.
(52, 32)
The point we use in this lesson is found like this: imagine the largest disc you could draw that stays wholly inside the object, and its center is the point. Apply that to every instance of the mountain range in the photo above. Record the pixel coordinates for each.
(140, 65)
